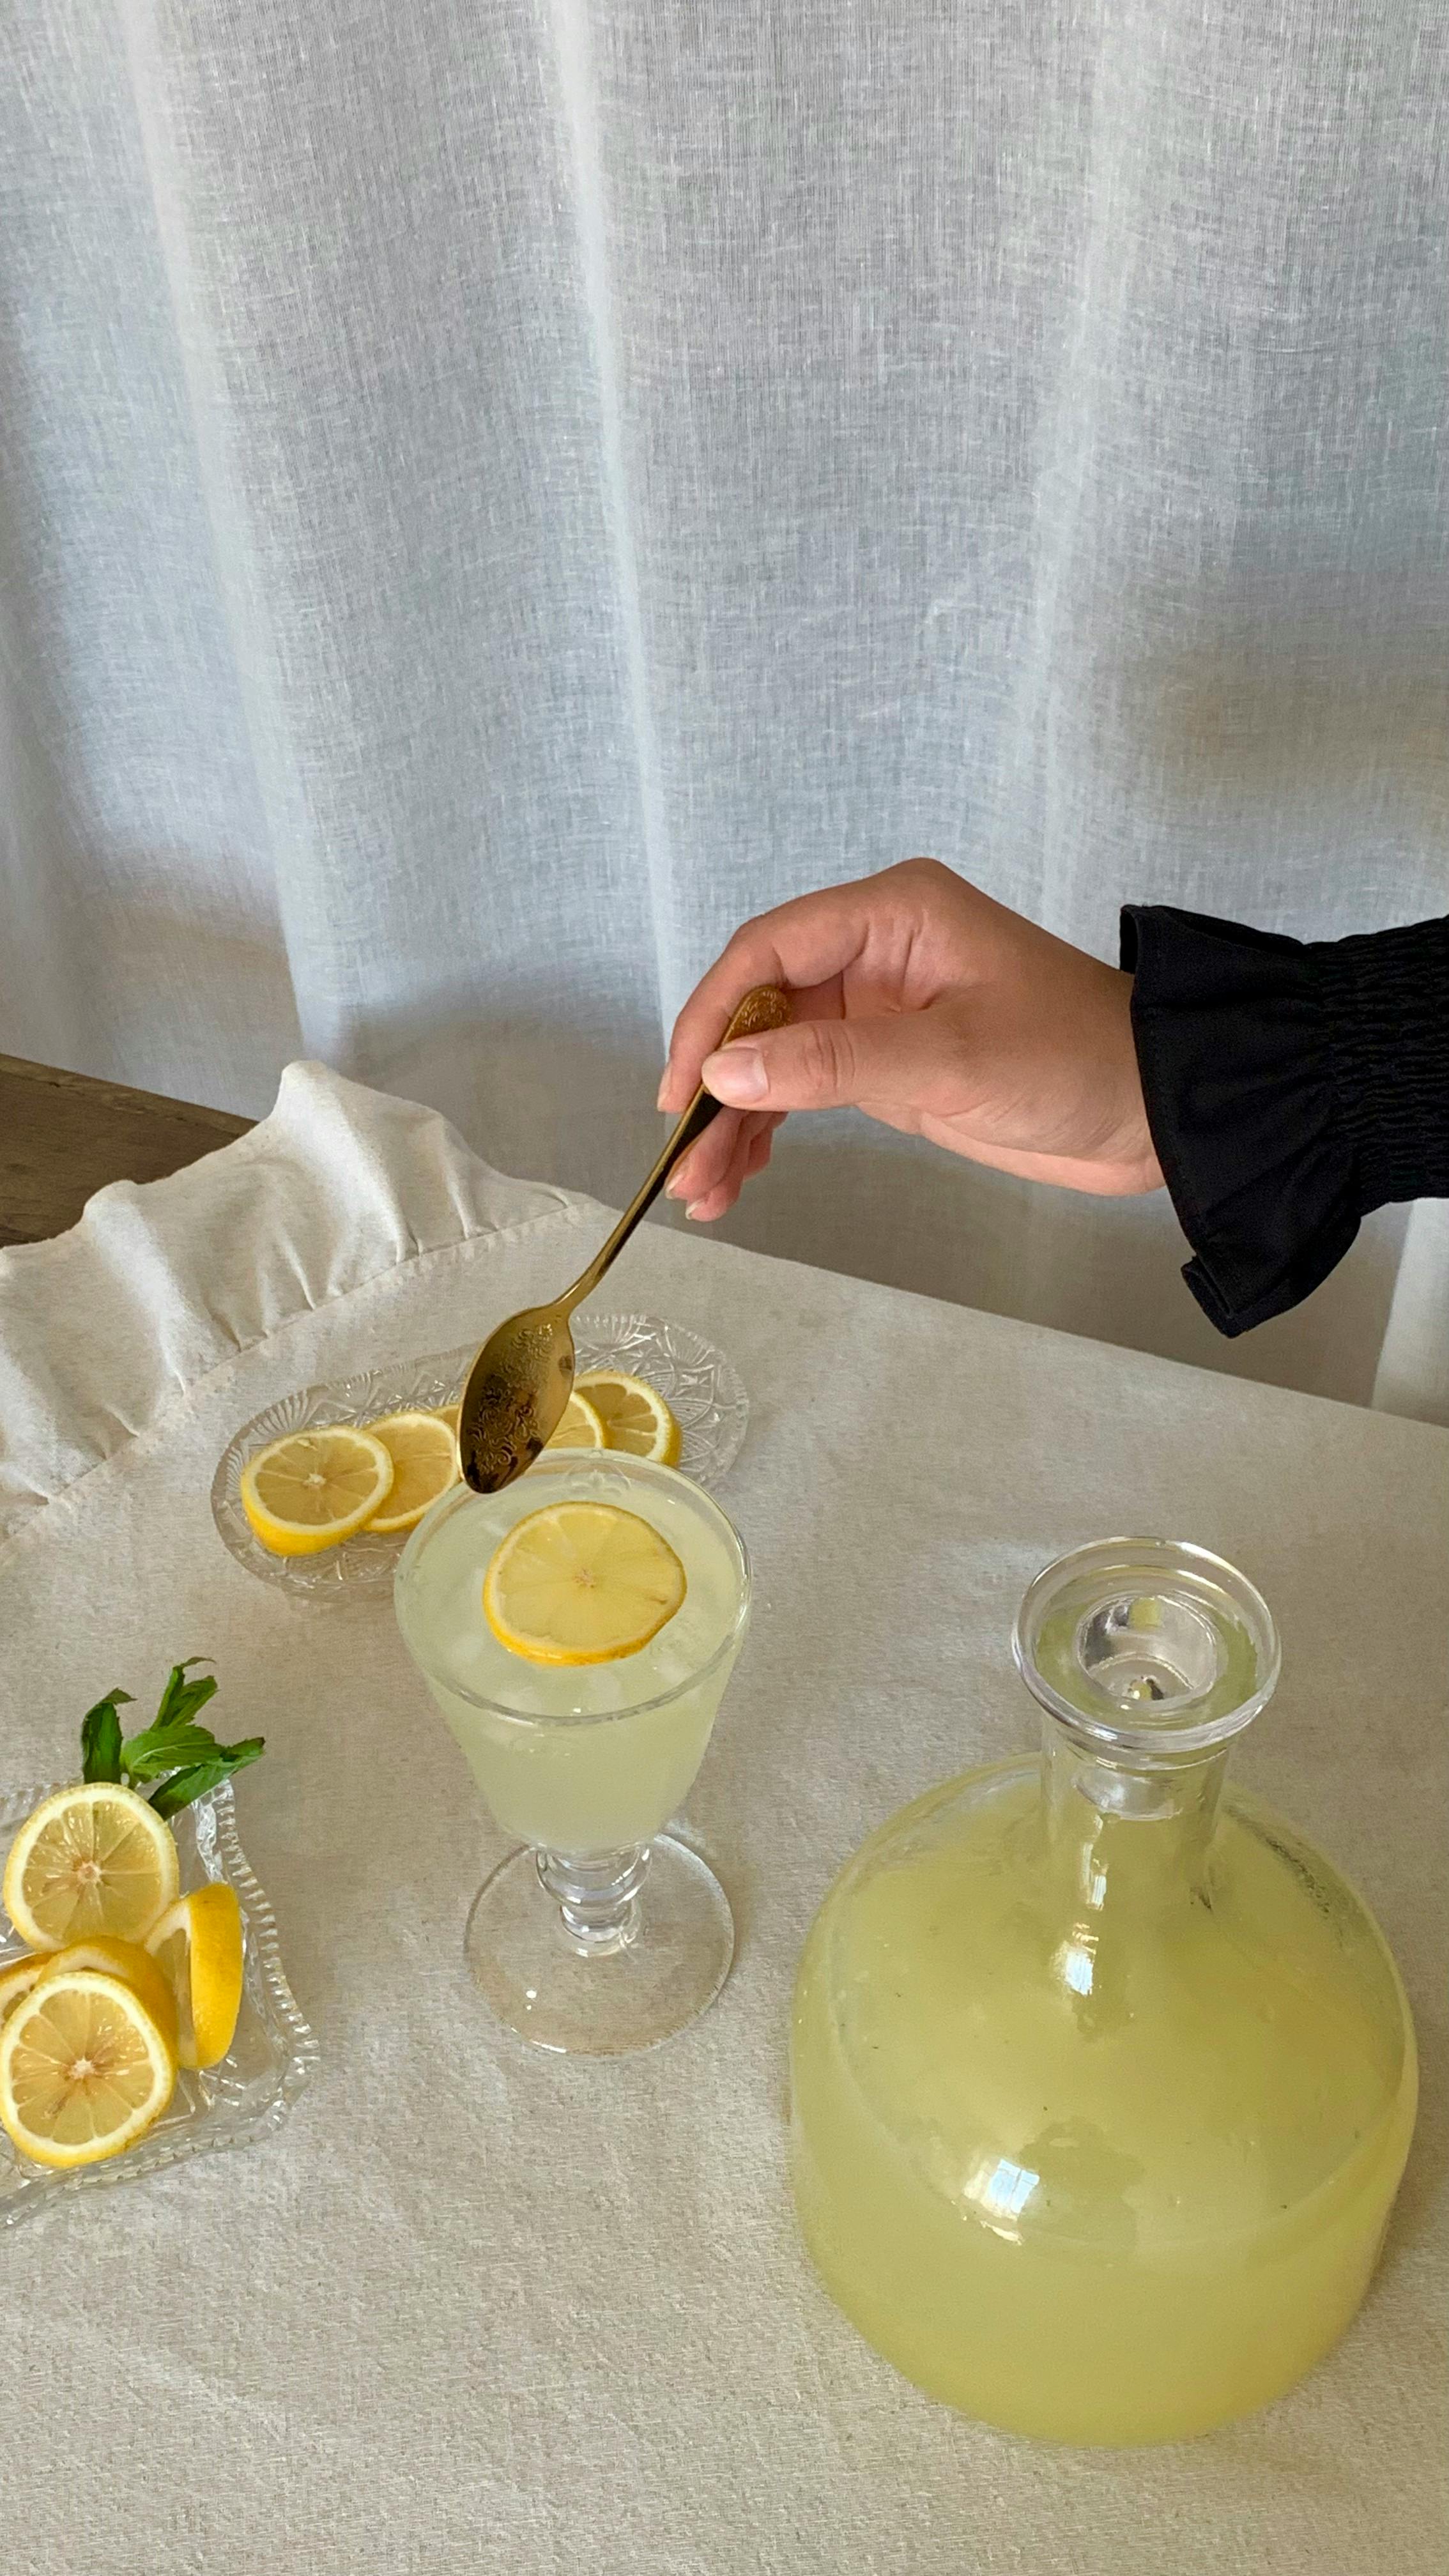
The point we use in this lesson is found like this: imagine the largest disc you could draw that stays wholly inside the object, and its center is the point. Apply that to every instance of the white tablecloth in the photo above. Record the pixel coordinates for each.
(477, 2308)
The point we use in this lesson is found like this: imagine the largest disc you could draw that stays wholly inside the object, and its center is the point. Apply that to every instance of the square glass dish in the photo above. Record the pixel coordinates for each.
(271, 2057)
(696, 1381)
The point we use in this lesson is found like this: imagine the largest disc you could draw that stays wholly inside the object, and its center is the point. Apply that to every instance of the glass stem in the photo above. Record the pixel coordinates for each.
(598, 1898)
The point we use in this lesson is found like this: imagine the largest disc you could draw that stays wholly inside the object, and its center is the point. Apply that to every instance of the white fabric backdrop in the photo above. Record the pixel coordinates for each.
(494, 490)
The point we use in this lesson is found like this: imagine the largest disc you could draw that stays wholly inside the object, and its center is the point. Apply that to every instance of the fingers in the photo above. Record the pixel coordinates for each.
(706, 1163)
(901, 1066)
(752, 1158)
(905, 1068)
(712, 1175)
(808, 942)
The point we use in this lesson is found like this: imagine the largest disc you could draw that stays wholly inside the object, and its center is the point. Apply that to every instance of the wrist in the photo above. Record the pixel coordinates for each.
(1131, 1147)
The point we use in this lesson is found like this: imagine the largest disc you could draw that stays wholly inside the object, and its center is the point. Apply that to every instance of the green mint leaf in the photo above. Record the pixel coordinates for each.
(194, 1782)
(101, 1738)
(183, 1786)
(165, 1748)
(249, 1749)
(194, 1698)
(181, 1698)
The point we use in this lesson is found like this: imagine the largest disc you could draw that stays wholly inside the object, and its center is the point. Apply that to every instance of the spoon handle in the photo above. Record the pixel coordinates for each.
(764, 1007)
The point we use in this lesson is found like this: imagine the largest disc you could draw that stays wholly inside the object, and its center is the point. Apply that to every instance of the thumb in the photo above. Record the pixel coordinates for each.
(831, 1064)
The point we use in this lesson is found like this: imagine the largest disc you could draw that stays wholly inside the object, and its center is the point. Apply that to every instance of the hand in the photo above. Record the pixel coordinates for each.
(917, 999)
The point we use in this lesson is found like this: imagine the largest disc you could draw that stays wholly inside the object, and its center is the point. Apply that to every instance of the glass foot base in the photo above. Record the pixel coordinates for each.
(592, 2002)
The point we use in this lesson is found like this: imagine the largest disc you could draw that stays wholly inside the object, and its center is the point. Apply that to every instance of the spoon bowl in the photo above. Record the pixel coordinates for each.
(523, 1376)
(515, 1397)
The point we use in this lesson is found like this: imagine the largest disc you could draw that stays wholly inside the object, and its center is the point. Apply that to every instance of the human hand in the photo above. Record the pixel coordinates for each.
(917, 999)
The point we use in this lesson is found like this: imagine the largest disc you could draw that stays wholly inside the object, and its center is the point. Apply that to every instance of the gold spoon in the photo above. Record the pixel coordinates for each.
(523, 1376)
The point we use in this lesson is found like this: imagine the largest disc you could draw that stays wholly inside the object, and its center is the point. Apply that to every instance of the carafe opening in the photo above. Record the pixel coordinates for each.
(1146, 1649)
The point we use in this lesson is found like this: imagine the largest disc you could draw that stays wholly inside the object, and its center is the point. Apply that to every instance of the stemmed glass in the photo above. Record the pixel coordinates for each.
(603, 1933)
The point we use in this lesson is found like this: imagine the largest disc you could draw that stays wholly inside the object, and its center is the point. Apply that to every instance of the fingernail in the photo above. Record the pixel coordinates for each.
(696, 1207)
(736, 1074)
(663, 1087)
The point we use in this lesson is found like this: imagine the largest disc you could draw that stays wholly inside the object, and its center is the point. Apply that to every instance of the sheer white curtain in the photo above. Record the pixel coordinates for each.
(491, 491)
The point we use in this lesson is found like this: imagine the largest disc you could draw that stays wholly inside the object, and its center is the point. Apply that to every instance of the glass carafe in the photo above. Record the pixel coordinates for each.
(1102, 2078)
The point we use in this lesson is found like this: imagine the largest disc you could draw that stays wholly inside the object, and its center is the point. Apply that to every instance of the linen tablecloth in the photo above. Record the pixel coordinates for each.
(475, 2307)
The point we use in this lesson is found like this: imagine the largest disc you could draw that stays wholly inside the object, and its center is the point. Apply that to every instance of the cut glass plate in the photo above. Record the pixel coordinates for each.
(271, 2057)
(695, 1380)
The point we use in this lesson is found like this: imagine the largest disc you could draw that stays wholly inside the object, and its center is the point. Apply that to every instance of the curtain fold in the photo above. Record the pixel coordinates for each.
(492, 492)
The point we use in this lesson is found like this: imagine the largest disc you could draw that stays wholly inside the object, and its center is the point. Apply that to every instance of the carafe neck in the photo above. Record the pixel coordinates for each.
(1117, 1832)
(1147, 1657)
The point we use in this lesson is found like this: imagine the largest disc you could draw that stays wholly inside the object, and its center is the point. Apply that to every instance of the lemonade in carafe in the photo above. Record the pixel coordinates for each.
(1102, 2079)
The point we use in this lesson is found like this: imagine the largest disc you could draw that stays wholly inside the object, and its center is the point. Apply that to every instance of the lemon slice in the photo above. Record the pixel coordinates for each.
(634, 1417)
(92, 1858)
(126, 1960)
(315, 1488)
(16, 1980)
(84, 2068)
(197, 1945)
(580, 1427)
(424, 1453)
(581, 1583)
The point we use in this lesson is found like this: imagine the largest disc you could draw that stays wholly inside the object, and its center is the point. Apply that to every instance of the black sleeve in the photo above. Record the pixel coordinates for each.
(1290, 1087)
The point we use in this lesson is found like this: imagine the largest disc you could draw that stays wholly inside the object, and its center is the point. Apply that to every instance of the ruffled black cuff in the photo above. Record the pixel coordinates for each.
(1290, 1087)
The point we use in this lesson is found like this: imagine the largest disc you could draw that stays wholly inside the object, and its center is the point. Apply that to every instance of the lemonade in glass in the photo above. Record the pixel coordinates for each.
(603, 1934)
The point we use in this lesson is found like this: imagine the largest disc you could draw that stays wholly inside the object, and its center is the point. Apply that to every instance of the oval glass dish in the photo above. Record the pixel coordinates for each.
(271, 2056)
(696, 1381)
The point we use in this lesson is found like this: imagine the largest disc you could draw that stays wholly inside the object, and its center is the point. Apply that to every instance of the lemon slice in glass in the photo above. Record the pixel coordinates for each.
(423, 1448)
(92, 1858)
(634, 1416)
(84, 2068)
(197, 1946)
(315, 1488)
(581, 1583)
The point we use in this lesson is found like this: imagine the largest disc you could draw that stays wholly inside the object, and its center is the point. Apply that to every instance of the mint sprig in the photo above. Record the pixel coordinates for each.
(182, 1756)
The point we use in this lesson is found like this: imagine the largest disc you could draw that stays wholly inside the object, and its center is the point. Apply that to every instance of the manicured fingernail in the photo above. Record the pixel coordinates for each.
(663, 1087)
(696, 1207)
(736, 1074)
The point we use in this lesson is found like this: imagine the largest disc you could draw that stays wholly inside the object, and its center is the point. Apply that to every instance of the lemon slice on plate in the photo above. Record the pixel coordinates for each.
(423, 1448)
(84, 2068)
(109, 1957)
(580, 1427)
(197, 1945)
(92, 1858)
(313, 1489)
(581, 1583)
(635, 1418)
(16, 1979)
